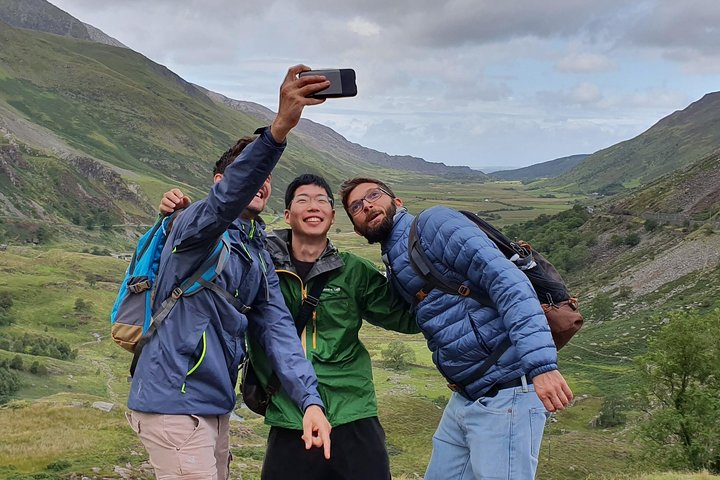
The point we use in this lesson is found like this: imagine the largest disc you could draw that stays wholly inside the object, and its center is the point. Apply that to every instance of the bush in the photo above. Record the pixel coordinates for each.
(601, 308)
(5, 318)
(16, 363)
(40, 346)
(59, 465)
(611, 413)
(38, 368)
(398, 356)
(6, 300)
(9, 384)
(681, 388)
(632, 239)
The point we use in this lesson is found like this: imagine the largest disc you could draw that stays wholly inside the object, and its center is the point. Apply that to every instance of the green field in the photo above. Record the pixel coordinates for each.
(52, 430)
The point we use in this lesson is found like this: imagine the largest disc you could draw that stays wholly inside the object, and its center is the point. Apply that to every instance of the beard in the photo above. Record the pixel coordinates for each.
(381, 232)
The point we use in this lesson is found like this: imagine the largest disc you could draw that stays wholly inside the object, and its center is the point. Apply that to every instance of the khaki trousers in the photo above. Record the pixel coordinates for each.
(186, 447)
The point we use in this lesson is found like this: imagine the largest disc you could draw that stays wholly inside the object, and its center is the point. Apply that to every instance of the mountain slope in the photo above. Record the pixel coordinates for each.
(675, 141)
(324, 139)
(42, 16)
(67, 99)
(549, 169)
(690, 194)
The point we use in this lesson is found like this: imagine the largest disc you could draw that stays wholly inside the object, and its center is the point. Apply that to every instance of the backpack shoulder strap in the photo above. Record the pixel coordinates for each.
(202, 277)
(310, 303)
(434, 279)
(432, 276)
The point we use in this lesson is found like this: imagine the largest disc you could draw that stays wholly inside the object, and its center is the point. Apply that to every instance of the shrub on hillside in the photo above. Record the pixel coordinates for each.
(38, 368)
(612, 413)
(558, 237)
(601, 307)
(5, 318)
(682, 393)
(398, 356)
(16, 363)
(9, 383)
(6, 300)
(39, 346)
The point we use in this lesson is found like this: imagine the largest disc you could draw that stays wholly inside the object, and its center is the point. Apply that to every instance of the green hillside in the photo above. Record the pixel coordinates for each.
(549, 169)
(67, 98)
(672, 143)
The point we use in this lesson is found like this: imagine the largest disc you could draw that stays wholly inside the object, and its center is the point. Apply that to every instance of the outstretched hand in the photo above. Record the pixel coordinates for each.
(173, 200)
(294, 93)
(553, 390)
(316, 430)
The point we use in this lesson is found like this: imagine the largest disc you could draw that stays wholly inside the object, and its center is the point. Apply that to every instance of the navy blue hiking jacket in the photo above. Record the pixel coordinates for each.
(461, 333)
(190, 365)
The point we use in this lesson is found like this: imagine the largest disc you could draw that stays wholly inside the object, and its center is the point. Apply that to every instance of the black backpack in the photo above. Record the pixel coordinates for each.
(561, 308)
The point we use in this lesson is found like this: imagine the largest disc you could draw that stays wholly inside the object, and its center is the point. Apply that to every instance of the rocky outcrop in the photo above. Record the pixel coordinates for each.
(108, 178)
(10, 159)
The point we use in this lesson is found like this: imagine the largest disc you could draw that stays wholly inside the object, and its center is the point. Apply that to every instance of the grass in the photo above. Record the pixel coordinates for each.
(596, 364)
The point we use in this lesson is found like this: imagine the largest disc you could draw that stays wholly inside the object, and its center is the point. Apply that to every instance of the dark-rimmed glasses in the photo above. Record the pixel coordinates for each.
(372, 196)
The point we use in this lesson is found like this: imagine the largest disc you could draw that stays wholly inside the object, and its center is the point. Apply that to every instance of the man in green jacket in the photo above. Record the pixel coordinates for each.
(354, 290)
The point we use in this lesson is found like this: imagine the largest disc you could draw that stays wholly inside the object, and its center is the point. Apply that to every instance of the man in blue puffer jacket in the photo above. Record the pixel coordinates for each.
(183, 389)
(492, 427)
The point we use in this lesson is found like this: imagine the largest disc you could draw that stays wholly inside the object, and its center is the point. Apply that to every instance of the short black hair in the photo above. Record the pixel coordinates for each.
(231, 154)
(307, 179)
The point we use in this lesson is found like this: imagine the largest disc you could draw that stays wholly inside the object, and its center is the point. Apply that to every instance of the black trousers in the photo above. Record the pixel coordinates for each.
(358, 453)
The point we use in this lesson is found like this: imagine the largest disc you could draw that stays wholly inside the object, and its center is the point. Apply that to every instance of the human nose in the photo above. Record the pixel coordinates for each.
(367, 204)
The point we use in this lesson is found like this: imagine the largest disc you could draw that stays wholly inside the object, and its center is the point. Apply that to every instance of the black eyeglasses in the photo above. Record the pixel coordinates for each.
(371, 196)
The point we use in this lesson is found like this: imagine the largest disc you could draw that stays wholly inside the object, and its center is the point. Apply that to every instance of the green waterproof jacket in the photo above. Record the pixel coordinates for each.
(356, 290)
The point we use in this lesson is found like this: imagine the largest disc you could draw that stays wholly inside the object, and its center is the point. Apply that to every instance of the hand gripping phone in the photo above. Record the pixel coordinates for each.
(342, 83)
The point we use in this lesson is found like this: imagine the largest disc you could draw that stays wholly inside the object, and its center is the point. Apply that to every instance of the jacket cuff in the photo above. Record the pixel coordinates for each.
(540, 370)
(265, 134)
(310, 401)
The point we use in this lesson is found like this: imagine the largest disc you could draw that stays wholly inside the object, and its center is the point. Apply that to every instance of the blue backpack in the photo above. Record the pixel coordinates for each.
(132, 320)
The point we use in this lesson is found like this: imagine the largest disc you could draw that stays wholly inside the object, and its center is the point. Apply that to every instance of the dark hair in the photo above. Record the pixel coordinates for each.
(349, 185)
(231, 154)
(307, 179)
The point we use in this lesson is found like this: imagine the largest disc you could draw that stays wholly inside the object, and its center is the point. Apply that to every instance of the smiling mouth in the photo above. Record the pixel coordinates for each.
(313, 220)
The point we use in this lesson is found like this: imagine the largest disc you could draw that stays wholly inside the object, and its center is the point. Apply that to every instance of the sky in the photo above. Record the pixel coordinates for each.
(485, 83)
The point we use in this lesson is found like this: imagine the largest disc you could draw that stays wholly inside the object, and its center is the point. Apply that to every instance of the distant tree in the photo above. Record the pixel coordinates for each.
(81, 306)
(43, 234)
(9, 383)
(92, 279)
(16, 363)
(612, 413)
(682, 392)
(650, 225)
(6, 300)
(5, 318)
(632, 239)
(601, 307)
(398, 355)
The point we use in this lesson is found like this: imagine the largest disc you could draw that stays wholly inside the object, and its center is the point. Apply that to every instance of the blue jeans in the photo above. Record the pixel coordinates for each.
(492, 438)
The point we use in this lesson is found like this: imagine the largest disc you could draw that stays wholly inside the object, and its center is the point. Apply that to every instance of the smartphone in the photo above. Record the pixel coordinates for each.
(342, 83)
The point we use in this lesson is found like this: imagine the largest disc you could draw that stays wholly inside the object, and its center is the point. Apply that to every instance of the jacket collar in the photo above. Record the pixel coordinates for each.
(401, 226)
(278, 244)
(250, 231)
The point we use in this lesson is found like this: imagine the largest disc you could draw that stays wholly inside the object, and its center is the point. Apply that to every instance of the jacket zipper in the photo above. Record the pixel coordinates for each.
(303, 292)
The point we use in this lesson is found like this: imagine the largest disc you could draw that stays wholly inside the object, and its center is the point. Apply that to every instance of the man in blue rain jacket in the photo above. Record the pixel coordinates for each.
(183, 389)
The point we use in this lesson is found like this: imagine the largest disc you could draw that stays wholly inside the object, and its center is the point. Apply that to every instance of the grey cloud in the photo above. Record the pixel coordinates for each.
(584, 63)
(693, 24)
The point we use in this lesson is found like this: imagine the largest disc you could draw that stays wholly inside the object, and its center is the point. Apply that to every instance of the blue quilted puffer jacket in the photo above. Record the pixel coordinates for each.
(461, 333)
